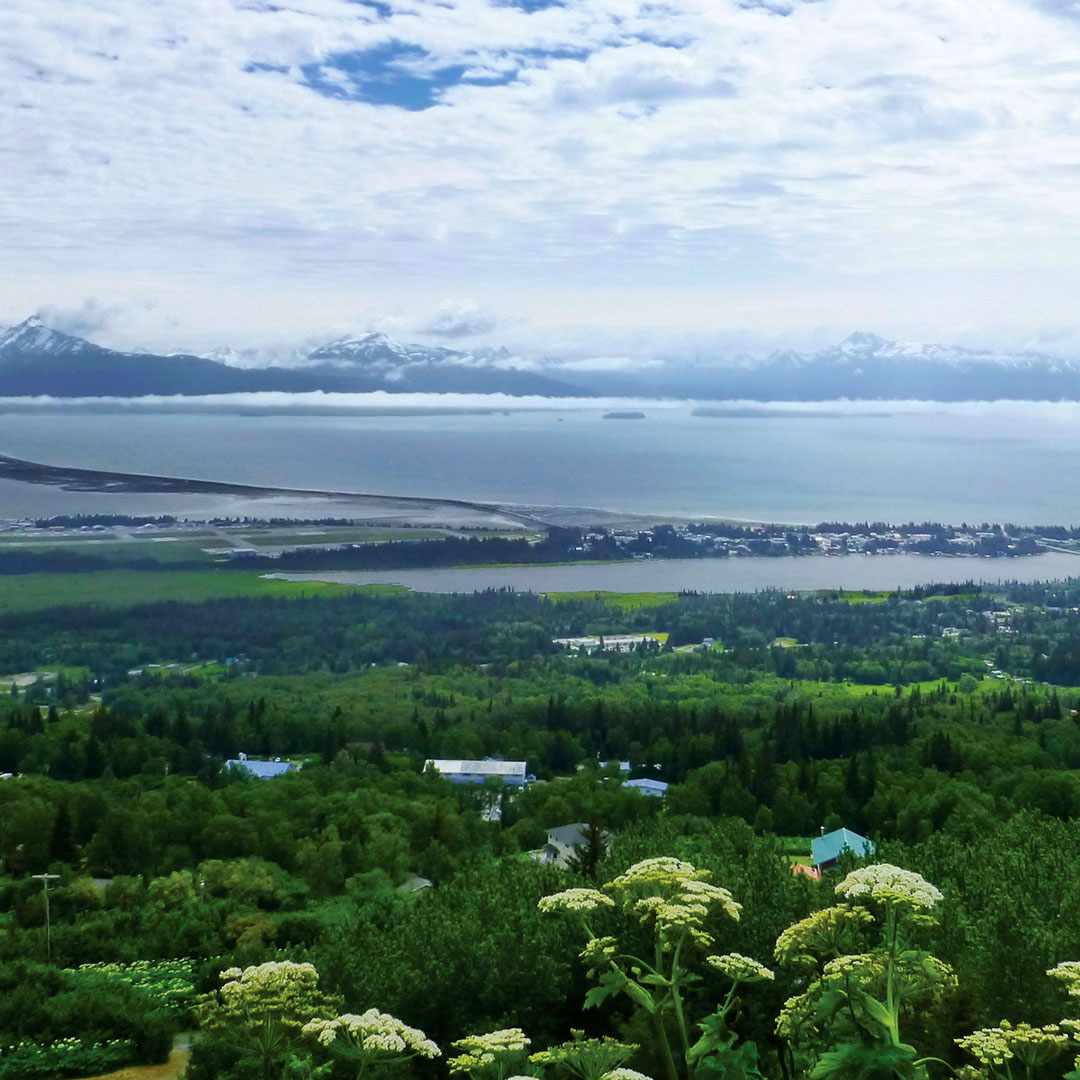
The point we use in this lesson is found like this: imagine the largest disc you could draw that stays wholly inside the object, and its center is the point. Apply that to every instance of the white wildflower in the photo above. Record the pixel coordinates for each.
(575, 900)
(373, 1031)
(1069, 973)
(740, 968)
(887, 882)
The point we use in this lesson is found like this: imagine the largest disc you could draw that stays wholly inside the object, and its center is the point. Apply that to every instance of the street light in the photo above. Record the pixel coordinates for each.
(45, 879)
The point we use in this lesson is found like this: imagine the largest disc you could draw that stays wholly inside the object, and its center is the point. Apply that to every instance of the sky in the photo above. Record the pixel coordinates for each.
(590, 175)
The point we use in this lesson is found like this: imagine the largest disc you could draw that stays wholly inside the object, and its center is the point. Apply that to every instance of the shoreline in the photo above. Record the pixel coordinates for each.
(494, 515)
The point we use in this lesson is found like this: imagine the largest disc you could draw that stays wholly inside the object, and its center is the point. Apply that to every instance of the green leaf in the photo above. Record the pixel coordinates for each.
(731, 1063)
(654, 980)
(858, 1060)
(875, 1009)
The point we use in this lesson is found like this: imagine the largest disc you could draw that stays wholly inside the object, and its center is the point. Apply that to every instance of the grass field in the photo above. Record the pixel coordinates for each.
(626, 601)
(124, 588)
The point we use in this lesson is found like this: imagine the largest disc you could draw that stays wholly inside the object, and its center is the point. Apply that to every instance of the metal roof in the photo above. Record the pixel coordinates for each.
(649, 787)
(828, 848)
(568, 836)
(466, 767)
(262, 769)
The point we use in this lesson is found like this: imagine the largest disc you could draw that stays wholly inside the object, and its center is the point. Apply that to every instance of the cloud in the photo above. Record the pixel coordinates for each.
(379, 401)
(91, 317)
(459, 319)
(686, 164)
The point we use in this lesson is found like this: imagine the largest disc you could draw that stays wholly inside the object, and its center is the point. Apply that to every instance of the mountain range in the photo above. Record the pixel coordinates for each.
(861, 367)
(38, 360)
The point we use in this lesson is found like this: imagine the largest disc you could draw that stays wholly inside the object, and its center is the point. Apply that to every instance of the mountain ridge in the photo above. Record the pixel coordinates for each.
(38, 360)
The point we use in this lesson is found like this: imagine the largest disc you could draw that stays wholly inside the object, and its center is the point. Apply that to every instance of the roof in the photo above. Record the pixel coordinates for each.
(568, 836)
(264, 770)
(462, 766)
(827, 848)
(649, 787)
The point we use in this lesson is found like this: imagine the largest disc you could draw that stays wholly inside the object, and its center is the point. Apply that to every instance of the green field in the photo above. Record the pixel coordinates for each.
(626, 601)
(123, 588)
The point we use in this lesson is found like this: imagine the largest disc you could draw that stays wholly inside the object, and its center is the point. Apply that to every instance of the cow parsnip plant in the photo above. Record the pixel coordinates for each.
(1024, 1046)
(866, 975)
(494, 1055)
(370, 1039)
(678, 907)
(586, 1059)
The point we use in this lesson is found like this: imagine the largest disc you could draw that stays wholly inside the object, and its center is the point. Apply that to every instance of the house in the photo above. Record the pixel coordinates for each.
(414, 883)
(656, 788)
(825, 850)
(461, 771)
(564, 842)
(263, 770)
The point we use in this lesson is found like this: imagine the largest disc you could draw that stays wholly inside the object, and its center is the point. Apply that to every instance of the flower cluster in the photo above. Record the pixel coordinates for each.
(830, 932)
(68, 1056)
(168, 982)
(798, 1019)
(1033, 1046)
(575, 900)
(856, 965)
(599, 952)
(284, 990)
(1069, 973)
(673, 897)
(586, 1059)
(476, 1051)
(989, 1045)
(624, 1074)
(373, 1031)
(740, 968)
(889, 883)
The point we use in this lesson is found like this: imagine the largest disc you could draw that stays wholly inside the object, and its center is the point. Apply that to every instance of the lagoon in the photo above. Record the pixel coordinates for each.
(720, 575)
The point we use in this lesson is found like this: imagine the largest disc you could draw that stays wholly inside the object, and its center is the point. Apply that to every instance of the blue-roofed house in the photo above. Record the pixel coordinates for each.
(656, 788)
(260, 769)
(825, 850)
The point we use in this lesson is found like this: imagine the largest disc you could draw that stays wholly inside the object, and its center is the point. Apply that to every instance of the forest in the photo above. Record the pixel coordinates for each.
(362, 912)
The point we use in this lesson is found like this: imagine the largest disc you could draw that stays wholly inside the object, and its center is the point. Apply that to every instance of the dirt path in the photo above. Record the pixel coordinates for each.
(172, 1068)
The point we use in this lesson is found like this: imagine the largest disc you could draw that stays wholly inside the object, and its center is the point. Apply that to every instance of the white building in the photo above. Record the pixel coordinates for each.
(464, 771)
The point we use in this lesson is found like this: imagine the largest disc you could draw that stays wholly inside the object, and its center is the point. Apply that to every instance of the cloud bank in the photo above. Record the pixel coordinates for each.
(253, 166)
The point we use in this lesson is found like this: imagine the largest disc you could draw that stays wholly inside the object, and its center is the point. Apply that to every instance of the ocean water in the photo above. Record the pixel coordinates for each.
(1005, 462)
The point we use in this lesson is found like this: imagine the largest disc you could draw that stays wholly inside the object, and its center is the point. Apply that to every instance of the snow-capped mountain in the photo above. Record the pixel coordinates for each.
(33, 336)
(38, 360)
(863, 365)
(413, 367)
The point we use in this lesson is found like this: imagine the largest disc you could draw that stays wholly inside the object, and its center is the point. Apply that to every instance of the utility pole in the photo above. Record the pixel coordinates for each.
(45, 879)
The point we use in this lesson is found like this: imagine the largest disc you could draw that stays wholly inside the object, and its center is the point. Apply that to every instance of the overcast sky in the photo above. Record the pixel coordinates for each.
(477, 171)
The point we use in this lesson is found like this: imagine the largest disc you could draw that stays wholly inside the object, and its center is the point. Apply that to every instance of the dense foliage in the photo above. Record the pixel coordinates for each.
(942, 724)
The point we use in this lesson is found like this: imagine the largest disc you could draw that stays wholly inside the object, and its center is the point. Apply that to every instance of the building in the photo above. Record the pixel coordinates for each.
(825, 850)
(462, 771)
(655, 788)
(623, 643)
(564, 842)
(263, 770)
